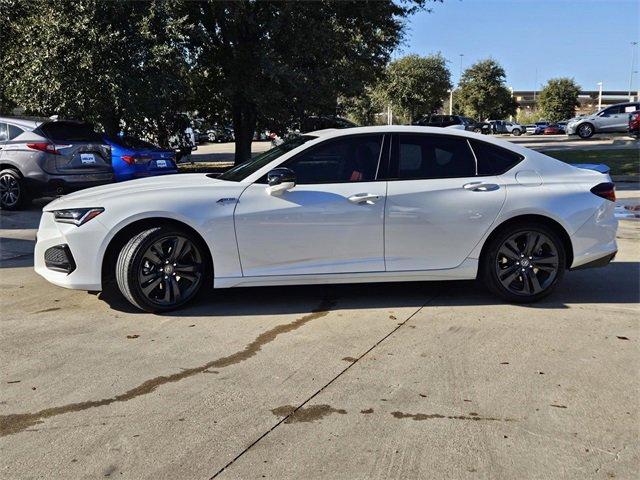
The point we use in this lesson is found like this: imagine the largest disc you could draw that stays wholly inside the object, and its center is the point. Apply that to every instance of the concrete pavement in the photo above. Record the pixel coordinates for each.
(411, 380)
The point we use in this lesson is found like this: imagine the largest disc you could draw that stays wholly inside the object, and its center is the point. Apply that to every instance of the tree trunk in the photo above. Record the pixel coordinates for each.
(244, 126)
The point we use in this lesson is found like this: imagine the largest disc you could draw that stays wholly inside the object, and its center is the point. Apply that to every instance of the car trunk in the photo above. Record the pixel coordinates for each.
(79, 150)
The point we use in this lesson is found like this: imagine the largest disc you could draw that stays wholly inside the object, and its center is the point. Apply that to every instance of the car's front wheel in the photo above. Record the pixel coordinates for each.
(586, 130)
(160, 269)
(516, 132)
(524, 263)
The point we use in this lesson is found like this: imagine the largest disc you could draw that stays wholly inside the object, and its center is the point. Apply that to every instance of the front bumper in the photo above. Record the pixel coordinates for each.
(571, 129)
(84, 245)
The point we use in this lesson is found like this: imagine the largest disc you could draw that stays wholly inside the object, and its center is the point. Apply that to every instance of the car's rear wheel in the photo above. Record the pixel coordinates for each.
(586, 130)
(160, 269)
(13, 194)
(516, 132)
(524, 263)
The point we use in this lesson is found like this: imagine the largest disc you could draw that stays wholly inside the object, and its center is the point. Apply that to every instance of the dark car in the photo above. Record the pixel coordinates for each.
(449, 121)
(314, 123)
(49, 157)
(134, 158)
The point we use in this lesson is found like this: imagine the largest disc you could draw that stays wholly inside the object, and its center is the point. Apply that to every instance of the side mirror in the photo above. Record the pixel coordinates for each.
(280, 180)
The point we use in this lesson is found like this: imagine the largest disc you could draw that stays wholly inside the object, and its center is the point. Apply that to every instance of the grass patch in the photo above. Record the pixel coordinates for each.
(621, 161)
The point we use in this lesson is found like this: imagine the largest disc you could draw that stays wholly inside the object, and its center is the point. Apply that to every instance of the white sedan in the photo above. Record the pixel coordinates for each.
(369, 204)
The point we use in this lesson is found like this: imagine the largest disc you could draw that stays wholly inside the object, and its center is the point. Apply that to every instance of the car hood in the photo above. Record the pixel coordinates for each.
(131, 190)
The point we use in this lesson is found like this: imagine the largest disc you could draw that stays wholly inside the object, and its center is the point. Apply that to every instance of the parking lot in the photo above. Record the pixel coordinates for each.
(420, 380)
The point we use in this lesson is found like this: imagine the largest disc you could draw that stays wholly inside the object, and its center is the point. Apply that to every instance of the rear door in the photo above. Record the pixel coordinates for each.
(438, 208)
(80, 150)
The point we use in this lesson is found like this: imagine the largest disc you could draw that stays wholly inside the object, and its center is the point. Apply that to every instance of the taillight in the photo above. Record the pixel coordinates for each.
(606, 190)
(44, 147)
(135, 159)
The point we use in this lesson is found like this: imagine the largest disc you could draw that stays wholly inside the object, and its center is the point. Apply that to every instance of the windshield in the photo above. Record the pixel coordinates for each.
(242, 171)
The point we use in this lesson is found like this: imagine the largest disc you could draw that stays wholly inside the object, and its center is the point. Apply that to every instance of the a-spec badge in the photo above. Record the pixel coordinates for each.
(222, 201)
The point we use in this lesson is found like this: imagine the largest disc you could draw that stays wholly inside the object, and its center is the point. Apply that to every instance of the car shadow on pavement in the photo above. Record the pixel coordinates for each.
(618, 283)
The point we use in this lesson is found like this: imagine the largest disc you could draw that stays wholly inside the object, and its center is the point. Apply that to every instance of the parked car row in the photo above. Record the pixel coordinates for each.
(42, 157)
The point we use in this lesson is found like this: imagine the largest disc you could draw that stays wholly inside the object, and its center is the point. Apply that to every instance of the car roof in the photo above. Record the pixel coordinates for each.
(24, 122)
(336, 133)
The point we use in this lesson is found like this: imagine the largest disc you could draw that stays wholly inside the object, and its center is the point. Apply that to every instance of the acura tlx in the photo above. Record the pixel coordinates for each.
(370, 204)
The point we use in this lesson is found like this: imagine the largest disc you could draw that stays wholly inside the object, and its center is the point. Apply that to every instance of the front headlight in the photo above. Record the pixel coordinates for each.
(76, 216)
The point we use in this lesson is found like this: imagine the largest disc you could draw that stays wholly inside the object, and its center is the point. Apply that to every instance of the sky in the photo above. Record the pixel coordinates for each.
(588, 40)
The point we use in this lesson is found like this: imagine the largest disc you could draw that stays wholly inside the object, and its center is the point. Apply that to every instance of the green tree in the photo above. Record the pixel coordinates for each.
(483, 94)
(416, 85)
(559, 98)
(112, 63)
(277, 62)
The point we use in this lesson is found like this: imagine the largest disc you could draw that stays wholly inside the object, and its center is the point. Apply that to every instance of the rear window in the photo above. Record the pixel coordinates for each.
(70, 132)
(494, 160)
(430, 156)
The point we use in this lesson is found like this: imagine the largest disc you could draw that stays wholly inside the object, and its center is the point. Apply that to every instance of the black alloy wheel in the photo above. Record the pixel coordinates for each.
(160, 269)
(524, 264)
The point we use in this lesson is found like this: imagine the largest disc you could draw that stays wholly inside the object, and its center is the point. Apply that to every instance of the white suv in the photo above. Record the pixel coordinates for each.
(611, 119)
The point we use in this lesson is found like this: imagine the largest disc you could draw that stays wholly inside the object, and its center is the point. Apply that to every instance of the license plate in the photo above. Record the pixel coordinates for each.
(161, 163)
(87, 158)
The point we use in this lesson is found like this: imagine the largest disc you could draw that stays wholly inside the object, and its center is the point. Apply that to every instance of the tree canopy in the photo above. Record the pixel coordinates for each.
(559, 98)
(138, 65)
(416, 85)
(483, 94)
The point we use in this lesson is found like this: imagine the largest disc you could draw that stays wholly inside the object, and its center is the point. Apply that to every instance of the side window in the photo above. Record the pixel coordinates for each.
(435, 121)
(494, 160)
(347, 159)
(631, 108)
(3, 132)
(14, 131)
(432, 156)
(613, 110)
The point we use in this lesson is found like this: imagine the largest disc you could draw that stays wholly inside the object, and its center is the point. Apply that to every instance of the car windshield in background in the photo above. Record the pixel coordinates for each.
(134, 143)
(242, 171)
(70, 132)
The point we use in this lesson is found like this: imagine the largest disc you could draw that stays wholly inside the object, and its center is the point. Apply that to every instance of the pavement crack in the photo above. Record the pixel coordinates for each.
(14, 423)
(292, 412)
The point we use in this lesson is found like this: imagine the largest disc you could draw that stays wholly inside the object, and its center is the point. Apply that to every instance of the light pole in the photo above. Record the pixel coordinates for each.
(511, 90)
(461, 55)
(633, 61)
(450, 101)
(599, 96)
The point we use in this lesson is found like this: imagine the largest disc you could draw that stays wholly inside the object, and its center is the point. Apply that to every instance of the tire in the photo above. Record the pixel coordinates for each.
(516, 132)
(477, 130)
(502, 265)
(13, 193)
(586, 130)
(160, 269)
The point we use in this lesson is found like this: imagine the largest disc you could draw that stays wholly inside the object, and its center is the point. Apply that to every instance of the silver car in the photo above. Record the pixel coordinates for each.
(49, 157)
(608, 120)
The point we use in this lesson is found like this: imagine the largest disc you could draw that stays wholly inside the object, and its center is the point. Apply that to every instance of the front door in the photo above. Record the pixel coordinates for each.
(332, 220)
(437, 208)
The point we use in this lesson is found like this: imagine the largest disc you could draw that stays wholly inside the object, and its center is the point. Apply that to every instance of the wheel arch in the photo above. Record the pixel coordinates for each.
(10, 166)
(127, 231)
(534, 218)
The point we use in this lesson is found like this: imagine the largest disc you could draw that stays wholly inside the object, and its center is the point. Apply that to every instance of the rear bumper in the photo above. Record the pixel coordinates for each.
(598, 262)
(594, 243)
(43, 183)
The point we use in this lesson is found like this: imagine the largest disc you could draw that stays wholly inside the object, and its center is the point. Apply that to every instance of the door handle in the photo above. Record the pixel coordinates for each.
(481, 187)
(366, 198)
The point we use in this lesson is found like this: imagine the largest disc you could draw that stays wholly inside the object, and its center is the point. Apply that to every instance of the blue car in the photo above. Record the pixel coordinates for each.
(134, 158)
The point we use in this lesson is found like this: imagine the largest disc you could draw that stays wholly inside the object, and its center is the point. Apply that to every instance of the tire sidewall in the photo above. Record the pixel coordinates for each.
(21, 190)
(516, 132)
(489, 275)
(584, 125)
(134, 262)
